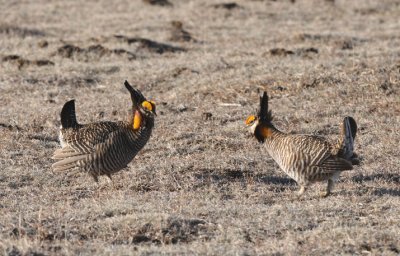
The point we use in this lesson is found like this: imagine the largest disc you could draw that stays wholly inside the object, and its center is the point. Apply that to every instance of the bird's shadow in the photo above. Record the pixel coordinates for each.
(386, 177)
(232, 175)
(386, 191)
(389, 177)
(274, 180)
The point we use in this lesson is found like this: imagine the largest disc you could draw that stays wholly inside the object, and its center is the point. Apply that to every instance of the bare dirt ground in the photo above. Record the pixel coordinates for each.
(201, 185)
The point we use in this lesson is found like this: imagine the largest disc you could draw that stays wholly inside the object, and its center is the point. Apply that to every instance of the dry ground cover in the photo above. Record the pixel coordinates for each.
(202, 185)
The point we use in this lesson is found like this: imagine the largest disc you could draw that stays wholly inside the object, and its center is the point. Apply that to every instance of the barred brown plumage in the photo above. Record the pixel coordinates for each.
(104, 148)
(305, 158)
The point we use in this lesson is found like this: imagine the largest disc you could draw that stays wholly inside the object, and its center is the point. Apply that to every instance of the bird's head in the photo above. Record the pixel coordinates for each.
(143, 109)
(260, 125)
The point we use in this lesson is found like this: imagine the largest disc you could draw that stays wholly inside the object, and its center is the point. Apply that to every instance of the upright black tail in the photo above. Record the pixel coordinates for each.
(68, 117)
(351, 123)
(349, 132)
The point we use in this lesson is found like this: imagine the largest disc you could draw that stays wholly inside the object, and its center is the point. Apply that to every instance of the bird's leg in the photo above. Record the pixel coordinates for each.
(301, 190)
(329, 188)
(111, 181)
(94, 176)
(109, 176)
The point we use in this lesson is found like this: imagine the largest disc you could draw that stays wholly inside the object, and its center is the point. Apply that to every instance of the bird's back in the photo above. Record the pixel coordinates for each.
(305, 157)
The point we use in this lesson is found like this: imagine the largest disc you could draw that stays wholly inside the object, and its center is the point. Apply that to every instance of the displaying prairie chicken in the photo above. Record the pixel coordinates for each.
(305, 158)
(104, 148)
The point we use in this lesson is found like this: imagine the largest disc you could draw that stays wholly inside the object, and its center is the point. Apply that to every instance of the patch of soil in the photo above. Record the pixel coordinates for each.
(183, 71)
(21, 62)
(174, 230)
(280, 52)
(10, 127)
(345, 44)
(150, 45)
(179, 230)
(43, 44)
(77, 81)
(387, 87)
(387, 177)
(178, 34)
(304, 52)
(308, 82)
(340, 42)
(207, 176)
(92, 52)
(311, 37)
(146, 234)
(20, 32)
(13, 251)
(158, 2)
(42, 137)
(227, 6)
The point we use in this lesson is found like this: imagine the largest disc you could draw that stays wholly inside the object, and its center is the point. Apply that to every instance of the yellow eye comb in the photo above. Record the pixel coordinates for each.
(250, 120)
(148, 105)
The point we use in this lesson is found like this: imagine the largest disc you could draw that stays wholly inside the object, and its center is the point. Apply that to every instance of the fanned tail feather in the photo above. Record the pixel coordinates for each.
(63, 153)
(68, 163)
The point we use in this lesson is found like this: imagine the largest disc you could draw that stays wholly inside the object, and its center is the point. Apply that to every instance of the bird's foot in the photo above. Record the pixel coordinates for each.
(301, 191)
(325, 194)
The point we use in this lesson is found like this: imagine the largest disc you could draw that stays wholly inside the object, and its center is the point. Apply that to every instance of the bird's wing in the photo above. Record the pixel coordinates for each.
(85, 139)
(317, 151)
(115, 152)
(333, 164)
(312, 149)
(82, 143)
(107, 150)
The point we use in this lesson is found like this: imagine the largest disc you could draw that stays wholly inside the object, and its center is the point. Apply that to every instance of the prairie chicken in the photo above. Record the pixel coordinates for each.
(104, 148)
(305, 158)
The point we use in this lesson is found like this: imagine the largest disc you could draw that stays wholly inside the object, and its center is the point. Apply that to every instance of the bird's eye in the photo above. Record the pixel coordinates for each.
(250, 120)
(147, 105)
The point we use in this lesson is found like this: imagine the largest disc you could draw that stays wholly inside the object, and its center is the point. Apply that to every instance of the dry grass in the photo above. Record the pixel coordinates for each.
(202, 185)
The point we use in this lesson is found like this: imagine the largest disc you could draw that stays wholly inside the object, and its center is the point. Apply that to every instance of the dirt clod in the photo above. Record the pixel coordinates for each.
(158, 2)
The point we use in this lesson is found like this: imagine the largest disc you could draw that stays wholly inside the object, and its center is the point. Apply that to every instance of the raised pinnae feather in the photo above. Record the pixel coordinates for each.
(136, 96)
(264, 114)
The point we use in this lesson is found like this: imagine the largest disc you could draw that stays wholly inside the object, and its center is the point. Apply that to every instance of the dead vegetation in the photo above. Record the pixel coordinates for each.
(202, 186)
